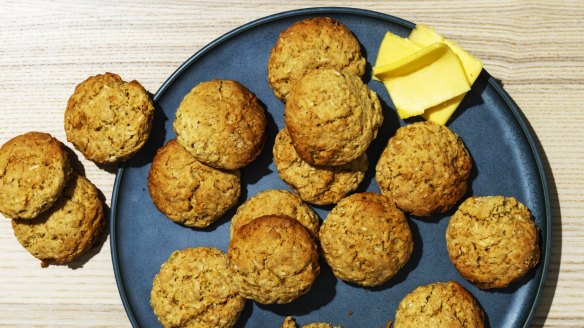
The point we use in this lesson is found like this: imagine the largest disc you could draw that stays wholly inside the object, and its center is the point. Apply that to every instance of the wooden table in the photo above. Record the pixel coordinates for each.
(47, 47)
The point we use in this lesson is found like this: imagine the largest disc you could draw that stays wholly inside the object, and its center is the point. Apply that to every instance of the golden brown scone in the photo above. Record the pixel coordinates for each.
(425, 168)
(273, 259)
(365, 239)
(290, 323)
(319, 185)
(108, 120)
(194, 289)
(221, 124)
(188, 191)
(34, 169)
(279, 202)
(309, 44)
(492, 241)
(66, 230)
(332, 117)
(437, 305)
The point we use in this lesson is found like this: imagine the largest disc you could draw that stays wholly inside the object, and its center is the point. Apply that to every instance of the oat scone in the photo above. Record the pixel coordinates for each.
(66, 230)
(273, 259)
(34, 169)
(425, 168)
(492, 241)
(279, 202)
(316, 184)
(107, 119)
(332, 117)
(365, 239)
(439, 305)
(312, 43)
(290, 323)
(221, 123)
(188, 191)
(194, 289)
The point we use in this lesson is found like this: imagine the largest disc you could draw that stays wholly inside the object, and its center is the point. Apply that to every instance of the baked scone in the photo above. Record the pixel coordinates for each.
(290, 323)
(194, 289)
(221, 124)
(365, 239)
(425, 168)
(278, 202)
(188, 191)
(492, 241)
(319, 185)
(67, 229)
(332, 117)
(107, 119)
(34, 169)
(273, 259)
(312, 43)
(439, 305)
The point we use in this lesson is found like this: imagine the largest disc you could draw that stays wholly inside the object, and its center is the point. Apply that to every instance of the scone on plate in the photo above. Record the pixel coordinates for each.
(221, 123)
(34, 169)
(107, 119)
(290, 323)
(492, 241)
(188, 191)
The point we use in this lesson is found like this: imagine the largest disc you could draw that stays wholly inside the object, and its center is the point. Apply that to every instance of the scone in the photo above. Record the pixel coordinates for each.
(194, 289)
(273, 259)
(278, 202)
(309, 44)
(425, 168)
(34, 169)
(68, 229)
(316, 184)
(439, 305)
(221, 124)
(332, 117)
(108, 120)
(290, 323)
(365, 239)
(188, 191)
(492, 241)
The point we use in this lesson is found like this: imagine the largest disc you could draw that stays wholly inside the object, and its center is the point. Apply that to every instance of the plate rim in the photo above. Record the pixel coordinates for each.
(509, 102)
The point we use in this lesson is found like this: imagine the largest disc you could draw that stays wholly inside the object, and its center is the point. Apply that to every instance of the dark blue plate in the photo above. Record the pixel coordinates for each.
(506, 162)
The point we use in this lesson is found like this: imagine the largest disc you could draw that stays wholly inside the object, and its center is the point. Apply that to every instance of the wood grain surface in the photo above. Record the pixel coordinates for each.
(47, 47)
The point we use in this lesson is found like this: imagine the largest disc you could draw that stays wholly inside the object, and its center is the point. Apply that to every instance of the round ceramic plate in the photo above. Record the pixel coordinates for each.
(506, 162)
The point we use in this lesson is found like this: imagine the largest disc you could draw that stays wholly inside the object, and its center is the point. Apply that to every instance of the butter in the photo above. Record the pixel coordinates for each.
(394, 48)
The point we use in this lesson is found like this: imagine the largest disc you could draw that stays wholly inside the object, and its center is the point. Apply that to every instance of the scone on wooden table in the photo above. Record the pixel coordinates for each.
(290, 323)
(107, 119)
(34, 169)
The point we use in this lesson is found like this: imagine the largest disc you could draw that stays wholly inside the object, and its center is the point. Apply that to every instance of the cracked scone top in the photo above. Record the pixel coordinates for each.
(273, 259)
(221, 124)
(439, 305)
(332, 117)
(188, 191)
(34, 169)
(194, 289)
(308, 44)
(107, 119)
(424, 168)
(492, 241)
(365, 239)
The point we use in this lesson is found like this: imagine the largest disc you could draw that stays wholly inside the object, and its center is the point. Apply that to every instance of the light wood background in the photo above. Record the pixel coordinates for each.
(46, 47)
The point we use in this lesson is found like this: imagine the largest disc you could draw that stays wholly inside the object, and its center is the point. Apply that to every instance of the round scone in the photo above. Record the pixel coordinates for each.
(365, 239)
(278, 202)
(290, 323)
(492, 241)
(319, 185)
(194, 289)
(273, 259)
(34, 169)
(441, 304)
(332, 117)
(425, 168)
(221, 124)
(66, 230)
(309, 44)
(188, 191)
(108, 119)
